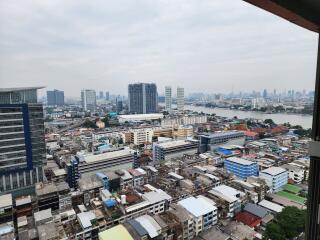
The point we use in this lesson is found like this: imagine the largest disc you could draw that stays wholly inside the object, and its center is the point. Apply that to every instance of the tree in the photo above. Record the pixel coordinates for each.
(106, 121)
(89, 124)
(269, 121)
(292, 221)
(274, 232)
(288, 224)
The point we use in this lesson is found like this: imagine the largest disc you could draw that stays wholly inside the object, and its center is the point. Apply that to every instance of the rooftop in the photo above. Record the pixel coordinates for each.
(223, 134)
(5, 200)
(213, 233)
(138, 227)
(43, 189)
(171, 144)
(4, 90)
(292, 197)
(23, 200)
(228, 191)
(271, 206)
(248, 219)
(255, 209)
(139, 116)
(274, 171)
(105, 156)
(240, 161)
(197, 207)
(42, 215)
(117, 232)
(156, 196)
(149, 224)
(48, 231)
(292, 188)
(85, 219)
(180, 212)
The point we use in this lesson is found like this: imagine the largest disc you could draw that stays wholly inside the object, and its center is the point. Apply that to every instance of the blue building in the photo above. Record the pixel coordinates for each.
(275, 177)
(240, 167)
(55, 97)
(22, 143)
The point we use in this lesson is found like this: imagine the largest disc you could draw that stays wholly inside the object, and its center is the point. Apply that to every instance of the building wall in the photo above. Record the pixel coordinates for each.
(55, 97)
(168, 98)
(22, 146)
(275, 182)
(185, 120)
(89, 100)
(160, 153)
(240, 170)
(180, 98)
(143, 98)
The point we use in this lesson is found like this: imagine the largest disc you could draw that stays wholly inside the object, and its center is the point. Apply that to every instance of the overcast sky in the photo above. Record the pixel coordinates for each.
(204, 45)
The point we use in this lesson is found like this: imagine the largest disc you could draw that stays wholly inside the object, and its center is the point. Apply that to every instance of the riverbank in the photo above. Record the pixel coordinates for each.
(294, 119)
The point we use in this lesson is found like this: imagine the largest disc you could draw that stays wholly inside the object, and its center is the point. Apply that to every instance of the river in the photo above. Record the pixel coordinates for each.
(294, 119)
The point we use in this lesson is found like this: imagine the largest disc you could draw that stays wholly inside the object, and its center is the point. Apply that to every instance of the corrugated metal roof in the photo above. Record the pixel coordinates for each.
(197, 207)
(149, 224)
(138, 227)
(270, 205)
(256, 210)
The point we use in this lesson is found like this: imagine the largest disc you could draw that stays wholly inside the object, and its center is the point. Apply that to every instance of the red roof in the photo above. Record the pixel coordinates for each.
(259, 130)
(250, 134)
(248, 219)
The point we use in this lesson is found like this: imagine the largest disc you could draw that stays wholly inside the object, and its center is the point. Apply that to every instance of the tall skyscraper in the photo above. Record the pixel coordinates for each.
(22, 143)
(143, 98)
(107, 96)
(265, 94)
(180, 98)
(119, 105)
(89, 101)
(168, 98)
(101, 95)
(55, 97)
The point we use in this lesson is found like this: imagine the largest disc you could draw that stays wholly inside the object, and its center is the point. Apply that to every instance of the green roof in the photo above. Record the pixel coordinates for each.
(292, 197)
(292, 188)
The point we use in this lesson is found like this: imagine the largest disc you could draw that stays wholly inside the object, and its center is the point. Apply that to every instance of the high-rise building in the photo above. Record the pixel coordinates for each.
(89, 101)
(265, 94)
(55, 97)
(180, 98)
(143, 98)
(168, 98)
(22, 148)
(101, 95)
(119, 105)
(107, 96)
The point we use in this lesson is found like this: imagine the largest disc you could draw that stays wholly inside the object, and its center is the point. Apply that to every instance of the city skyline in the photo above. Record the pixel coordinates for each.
(191, 44)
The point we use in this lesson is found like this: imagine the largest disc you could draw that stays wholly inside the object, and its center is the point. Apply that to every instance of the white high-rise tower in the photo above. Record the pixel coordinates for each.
(180, 98)
(168, 98)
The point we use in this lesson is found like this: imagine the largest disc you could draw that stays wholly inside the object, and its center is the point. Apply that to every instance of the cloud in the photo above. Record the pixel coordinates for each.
(203, 45)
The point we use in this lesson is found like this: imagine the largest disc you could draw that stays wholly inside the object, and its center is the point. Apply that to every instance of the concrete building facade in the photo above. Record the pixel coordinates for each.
(143, 98)
(89, 100)
(22, 144)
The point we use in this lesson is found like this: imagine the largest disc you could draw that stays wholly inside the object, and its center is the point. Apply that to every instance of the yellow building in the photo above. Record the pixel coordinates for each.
(118, 232)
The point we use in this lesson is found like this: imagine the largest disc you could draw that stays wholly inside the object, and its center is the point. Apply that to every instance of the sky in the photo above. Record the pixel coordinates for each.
(205, 46)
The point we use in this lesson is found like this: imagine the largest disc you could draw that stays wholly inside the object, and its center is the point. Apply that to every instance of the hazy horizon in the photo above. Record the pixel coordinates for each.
(204, 46)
